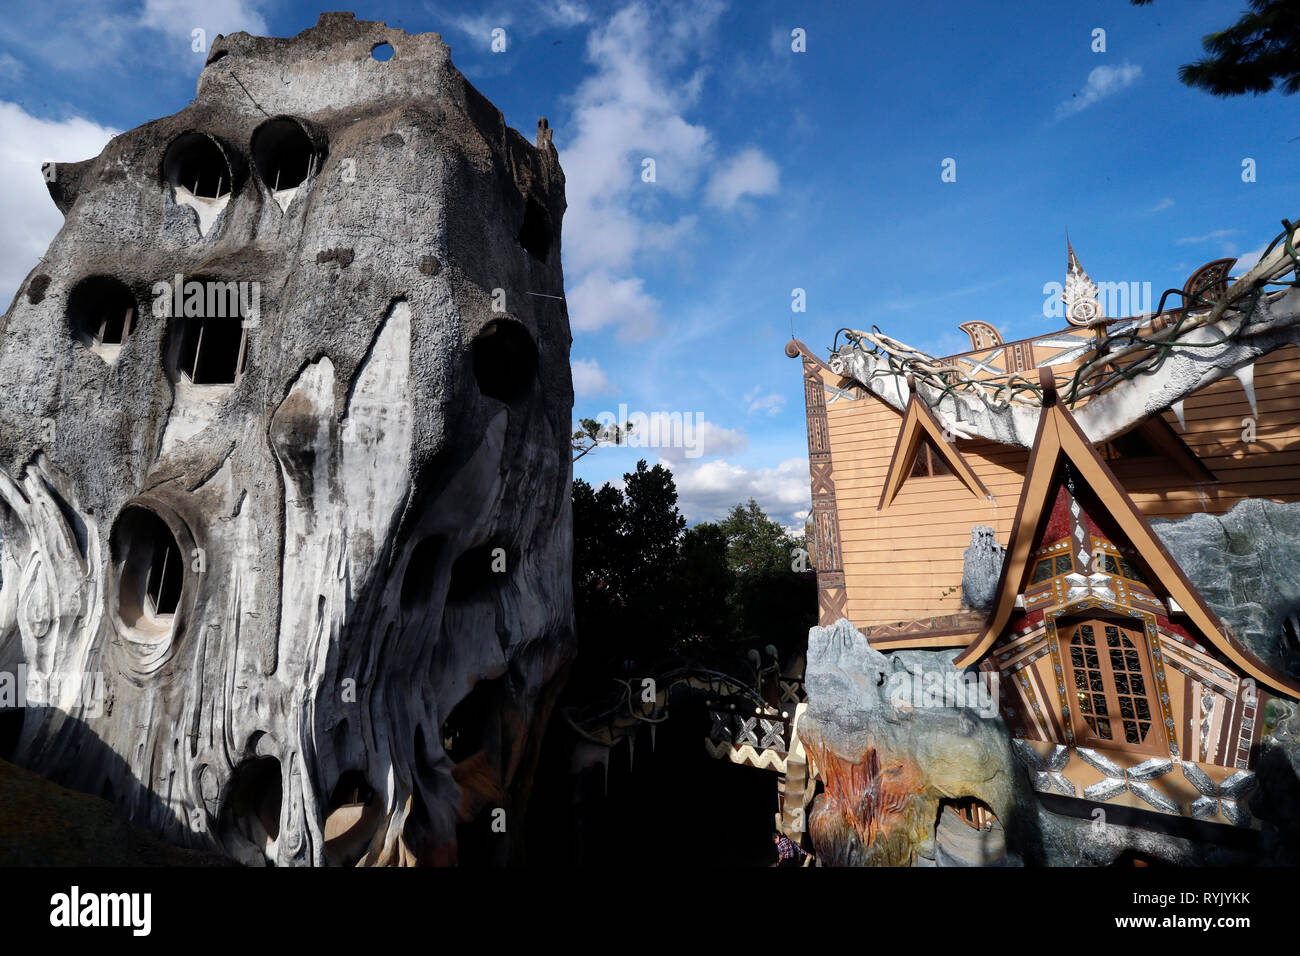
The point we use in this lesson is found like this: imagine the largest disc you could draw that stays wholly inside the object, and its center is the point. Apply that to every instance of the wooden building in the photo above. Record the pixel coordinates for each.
(1118, 683)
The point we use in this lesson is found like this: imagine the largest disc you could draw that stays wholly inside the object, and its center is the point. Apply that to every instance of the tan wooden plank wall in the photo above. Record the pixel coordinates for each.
(905, 562)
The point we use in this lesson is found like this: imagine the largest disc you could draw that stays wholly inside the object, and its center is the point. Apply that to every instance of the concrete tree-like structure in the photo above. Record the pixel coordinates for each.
(284, 456)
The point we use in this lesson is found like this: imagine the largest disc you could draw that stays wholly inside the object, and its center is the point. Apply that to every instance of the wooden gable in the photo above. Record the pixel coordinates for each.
(1119, 684)
(922, 439)
(1059, 441)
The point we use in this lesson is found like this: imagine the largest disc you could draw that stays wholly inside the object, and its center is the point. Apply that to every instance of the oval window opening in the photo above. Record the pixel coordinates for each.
(352, 818)
(195, 163)
(152, 575)
(102, 312)
(383, 52)
(284, 154)
(505, 361)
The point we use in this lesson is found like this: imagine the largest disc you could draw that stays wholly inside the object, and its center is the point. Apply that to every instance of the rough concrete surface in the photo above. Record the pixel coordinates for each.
(371, 515)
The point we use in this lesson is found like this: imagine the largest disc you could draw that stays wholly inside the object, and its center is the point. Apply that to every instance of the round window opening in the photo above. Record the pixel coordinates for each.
(284, 154)
(195, 163)
(152, 575)
(383, 52)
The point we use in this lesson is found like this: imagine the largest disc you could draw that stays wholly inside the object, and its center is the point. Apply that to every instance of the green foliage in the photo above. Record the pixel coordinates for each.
(592, 434)
(756, 545)
(770, 601)
(707, 582)
(1260, 50)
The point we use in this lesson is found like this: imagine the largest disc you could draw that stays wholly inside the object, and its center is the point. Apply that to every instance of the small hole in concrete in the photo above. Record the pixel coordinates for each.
(505, 360)
(195, 162)
(471, 723)
(474, 572)
(383, 52)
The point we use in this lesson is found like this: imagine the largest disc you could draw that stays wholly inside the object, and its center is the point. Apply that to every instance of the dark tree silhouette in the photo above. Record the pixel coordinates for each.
(647, 589)
(1259, 51)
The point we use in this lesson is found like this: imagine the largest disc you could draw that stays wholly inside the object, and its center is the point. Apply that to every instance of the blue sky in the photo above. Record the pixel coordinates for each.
(774, 170)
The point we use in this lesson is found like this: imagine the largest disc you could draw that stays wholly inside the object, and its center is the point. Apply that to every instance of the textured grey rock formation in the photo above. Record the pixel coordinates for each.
(891, 740)
(887, 757)
(1246, 564)
(981, 568)
(372, 518)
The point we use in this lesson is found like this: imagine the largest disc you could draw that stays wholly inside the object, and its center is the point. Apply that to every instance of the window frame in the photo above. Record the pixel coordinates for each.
(187, 366)
(1124, 566)
(1156, 742)
(928, 453)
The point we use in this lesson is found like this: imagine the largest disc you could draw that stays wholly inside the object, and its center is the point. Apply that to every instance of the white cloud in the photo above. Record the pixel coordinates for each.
(1103, 81)
(630, 109)
(589, 378)
(564, 13)
(749, 173)
(177, 18)
(68, 35)
(28, 217)
(780, 41)
(707, 491)
(771, 403)
(1162, 205)
(713, 441)
(1214, 236)
(599, 301)
(650, 61)
(1247, 260)
(10, 67)
(537, 15)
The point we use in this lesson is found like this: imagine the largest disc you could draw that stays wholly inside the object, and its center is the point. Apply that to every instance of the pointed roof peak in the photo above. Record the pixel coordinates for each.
(1080, 295)
(1059, 442)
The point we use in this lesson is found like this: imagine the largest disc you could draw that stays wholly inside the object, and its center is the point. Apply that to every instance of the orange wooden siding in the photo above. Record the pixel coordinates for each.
(905, 561)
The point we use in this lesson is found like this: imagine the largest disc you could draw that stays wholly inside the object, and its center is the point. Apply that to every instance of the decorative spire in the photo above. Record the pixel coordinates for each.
(1080, 295)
